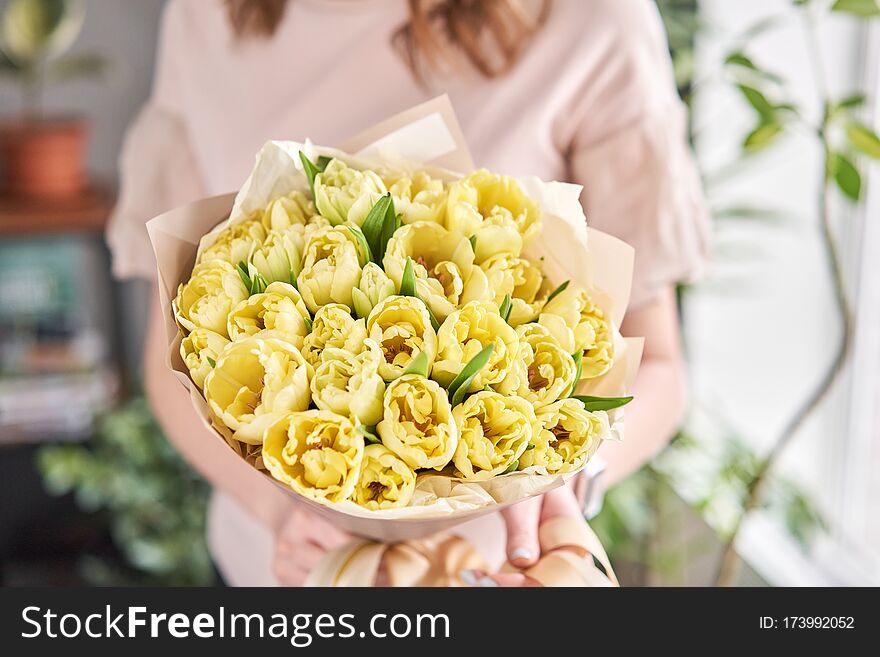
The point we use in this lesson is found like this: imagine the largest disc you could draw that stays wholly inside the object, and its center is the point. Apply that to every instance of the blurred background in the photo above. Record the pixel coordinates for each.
(770, 480)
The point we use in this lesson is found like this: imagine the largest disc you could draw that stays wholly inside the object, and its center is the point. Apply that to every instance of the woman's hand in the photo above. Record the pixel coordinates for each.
(523, 549)
(302, 540)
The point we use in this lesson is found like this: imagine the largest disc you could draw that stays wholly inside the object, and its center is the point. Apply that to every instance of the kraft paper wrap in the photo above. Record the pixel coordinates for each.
(425, 137)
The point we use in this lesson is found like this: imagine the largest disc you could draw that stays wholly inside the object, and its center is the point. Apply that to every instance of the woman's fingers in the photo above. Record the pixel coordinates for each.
(522, 532)
(561, 502)
(304, 539)
(506, 580)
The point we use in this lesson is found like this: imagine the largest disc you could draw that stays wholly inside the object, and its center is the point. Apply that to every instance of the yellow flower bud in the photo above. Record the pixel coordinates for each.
(568, 437)
(278, 258)
(401, 326)
(464, 334)
(544, 372)
(495, 209)
(386, 481)
(417, 423)
(317, 453)
(349, 384)
(296, 209)
(198, 350)
(236, 243)
(419, 198)
(373, 288)
(279, 312)
(333, 327)
(495, 431)
(254, 380)
(443, 264)
(346, 194)
(209, 295)
(331, 268)
(518, 277)
(578, 324)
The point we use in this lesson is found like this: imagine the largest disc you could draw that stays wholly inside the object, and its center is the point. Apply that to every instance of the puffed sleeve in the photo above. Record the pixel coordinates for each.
(158, 170)
(629, 150)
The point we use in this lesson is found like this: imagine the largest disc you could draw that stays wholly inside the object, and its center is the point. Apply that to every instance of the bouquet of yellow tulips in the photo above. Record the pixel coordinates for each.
(391, 340)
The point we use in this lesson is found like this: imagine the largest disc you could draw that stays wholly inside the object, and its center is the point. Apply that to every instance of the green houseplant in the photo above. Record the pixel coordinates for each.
(43, 156)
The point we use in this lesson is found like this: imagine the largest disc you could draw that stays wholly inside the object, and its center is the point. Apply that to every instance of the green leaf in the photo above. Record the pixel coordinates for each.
(390, 224)
(461, 384)
(741, 60)
(323, 161)
(852, 101)
(762, 136)
(473, 240)
(530, 446)
(512, 467)
(408, 280)
(418, 365)
(308, 321)
(408, 289)
(242, 270)
(369, 434)
(364, 248)
(602, 403)
(291, 278)
(211, 361)
(557, 291)
(863, 139)
(373, 226)
(860, 8)
(311, 170)
(758, 101)
(505, 308)
(845, 174)
(578, 358)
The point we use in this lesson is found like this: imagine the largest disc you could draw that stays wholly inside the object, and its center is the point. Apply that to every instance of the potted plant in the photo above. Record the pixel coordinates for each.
(43, 156)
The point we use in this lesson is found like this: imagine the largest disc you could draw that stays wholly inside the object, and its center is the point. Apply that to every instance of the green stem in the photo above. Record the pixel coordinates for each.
(730, 563)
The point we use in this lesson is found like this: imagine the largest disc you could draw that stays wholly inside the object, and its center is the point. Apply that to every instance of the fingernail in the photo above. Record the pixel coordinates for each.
(521, 553)
(468, 576)
(487, 581)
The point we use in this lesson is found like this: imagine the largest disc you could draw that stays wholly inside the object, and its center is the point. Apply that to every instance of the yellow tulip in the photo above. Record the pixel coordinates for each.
(419, 198)
(578, 324)
(373, 288)
(443, 265)
(464, 334)
(495, 209)
(569, 435)
(200, 351)
(333, 327)
(254, 380)
(495, 431)
(279, 312)
(522, 280)
(386, 481)
(296, 209)
(349, 384)
(206, 299)
(317, 453)
(331, 267)
(236, 243)
(544, 372)
(401, 326)
(346, 194)
(278, 258)
(417, 423)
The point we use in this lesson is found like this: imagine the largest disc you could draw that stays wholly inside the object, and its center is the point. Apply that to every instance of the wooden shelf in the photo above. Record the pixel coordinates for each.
(87, 213)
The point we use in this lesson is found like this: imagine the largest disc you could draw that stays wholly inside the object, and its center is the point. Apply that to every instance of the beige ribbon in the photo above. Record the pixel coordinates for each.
(569, 548)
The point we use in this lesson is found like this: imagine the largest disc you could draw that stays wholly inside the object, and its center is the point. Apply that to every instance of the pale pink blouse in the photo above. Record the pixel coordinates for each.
(592, 101)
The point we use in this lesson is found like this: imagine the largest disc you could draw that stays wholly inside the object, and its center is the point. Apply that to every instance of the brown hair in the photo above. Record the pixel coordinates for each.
(490, 34)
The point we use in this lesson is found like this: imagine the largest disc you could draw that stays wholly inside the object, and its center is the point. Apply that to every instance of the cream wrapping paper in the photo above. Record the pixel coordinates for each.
(426, 137)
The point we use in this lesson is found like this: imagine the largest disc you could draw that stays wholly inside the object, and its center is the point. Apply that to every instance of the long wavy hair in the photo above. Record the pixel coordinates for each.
(488, 35)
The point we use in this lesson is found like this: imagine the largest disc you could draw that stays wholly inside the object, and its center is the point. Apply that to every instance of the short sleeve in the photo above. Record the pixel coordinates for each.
(627, 145)
(158, 169)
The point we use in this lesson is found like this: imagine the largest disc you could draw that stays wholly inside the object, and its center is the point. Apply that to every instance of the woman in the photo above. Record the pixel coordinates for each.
(576, 90)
